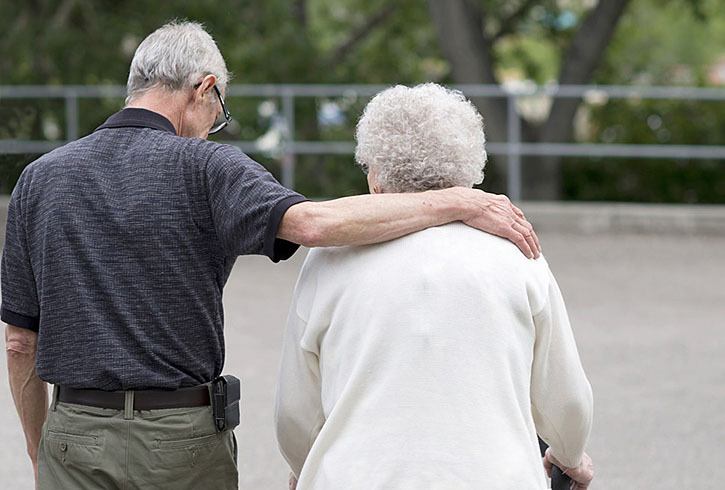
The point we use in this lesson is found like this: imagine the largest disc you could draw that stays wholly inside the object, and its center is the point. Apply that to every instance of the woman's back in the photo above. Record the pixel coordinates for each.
(421, 354)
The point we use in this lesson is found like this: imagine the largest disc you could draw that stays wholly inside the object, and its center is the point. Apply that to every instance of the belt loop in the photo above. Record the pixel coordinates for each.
(128, 406)
(54, 400)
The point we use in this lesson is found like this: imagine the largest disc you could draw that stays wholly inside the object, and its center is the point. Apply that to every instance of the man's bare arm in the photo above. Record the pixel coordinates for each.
(374, 218)
(29, 391)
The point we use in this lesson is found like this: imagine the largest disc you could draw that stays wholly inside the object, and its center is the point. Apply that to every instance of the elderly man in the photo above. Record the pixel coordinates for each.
(430, 361)
(117, 250)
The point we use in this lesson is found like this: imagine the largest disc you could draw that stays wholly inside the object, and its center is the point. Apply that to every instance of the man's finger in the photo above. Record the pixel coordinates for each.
(523, 220)
(520, 241)
(536, 245)
(518, 212)
(503, 198)
(536, 239)
(499, 219)
(528, 237)
(525, 224)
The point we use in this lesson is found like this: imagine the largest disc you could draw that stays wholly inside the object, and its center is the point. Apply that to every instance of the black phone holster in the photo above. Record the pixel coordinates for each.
(226, 392)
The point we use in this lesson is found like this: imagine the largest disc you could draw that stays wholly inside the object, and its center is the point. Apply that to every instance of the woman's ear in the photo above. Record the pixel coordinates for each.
(372, 182)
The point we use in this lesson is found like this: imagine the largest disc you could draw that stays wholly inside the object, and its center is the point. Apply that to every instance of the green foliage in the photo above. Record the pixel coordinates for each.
(665, 44)
(661, 45)
(380, 41)
(651, 180)
(74, 42)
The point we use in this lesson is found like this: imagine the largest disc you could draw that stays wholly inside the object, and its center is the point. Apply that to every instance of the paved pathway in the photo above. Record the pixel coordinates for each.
(649, 317)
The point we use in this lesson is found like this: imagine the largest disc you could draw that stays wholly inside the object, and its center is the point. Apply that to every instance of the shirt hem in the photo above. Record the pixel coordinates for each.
(19, 320)
(276, 248)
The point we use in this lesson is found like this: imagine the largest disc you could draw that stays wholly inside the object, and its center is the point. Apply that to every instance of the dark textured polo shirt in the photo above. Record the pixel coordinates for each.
(118, 246)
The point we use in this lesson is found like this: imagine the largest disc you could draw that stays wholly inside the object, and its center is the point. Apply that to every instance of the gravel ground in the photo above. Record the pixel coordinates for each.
(649, 317)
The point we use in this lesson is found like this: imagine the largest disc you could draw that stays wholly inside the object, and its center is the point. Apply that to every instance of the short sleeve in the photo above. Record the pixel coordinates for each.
(247, 205)
(19, 292)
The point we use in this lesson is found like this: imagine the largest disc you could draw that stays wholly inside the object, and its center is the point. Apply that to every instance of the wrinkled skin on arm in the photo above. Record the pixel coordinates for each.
(29, 392)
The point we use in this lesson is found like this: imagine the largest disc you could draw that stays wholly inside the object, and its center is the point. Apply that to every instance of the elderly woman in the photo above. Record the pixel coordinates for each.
(433, 360)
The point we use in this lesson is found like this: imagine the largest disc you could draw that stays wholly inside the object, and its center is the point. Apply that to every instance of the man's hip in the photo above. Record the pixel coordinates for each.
(86, 446)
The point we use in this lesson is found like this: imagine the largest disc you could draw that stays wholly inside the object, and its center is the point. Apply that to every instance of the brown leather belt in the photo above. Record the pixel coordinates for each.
(197, 396)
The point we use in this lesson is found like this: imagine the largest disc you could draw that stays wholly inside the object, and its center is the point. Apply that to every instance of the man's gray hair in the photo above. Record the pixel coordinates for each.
(421, 138)
(175, 56)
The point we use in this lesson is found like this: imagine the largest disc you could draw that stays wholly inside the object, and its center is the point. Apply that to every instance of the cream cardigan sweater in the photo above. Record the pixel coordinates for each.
(429, 362)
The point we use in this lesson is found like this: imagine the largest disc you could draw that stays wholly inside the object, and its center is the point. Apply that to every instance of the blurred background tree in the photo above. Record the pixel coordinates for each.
(669, 42)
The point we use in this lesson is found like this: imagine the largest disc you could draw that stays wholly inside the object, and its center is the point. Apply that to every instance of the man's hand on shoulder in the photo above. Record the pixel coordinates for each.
(495, 214)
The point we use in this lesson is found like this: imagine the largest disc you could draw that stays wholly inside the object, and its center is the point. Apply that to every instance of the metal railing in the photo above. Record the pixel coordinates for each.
(513, 148)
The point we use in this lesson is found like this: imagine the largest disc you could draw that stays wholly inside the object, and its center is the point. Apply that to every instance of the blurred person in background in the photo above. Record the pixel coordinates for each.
(433, 360)
(117, 250)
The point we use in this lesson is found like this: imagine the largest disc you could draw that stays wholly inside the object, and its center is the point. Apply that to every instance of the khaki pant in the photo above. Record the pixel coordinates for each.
(87, 447)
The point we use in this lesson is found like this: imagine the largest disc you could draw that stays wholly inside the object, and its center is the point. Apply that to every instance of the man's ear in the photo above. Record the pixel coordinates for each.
(205, 87)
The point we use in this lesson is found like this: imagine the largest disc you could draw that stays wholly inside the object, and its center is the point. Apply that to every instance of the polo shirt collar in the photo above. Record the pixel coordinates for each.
(134, 117)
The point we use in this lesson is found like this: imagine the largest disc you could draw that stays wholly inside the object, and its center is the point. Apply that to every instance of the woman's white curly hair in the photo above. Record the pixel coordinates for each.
(421, 138)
